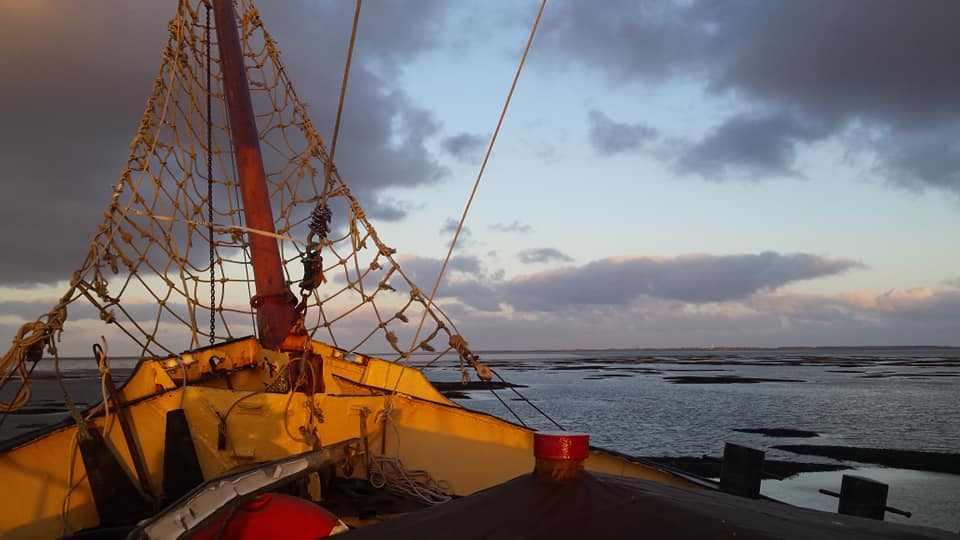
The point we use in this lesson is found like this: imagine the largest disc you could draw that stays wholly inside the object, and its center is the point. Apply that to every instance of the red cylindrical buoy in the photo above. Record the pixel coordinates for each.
(559, 455)
(274, 516)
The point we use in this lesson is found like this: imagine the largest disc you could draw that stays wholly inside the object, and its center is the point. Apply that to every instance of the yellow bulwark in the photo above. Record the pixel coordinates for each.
(45, 493)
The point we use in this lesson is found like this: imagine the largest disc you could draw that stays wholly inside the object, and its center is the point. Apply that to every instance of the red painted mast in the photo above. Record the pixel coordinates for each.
(274, 302)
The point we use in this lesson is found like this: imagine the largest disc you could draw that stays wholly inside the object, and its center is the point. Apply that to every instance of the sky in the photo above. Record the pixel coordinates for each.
(669, 174)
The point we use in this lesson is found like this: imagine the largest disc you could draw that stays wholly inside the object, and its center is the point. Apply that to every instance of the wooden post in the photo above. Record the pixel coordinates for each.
(862, 497)
(741, 471)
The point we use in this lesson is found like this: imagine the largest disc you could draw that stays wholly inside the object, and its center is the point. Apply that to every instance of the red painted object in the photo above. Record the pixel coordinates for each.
(561, 445)
(274, 516)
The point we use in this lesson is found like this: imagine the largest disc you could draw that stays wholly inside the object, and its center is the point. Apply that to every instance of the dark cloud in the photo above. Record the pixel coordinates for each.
(68, 113)
(751, 147)
(920, 317)
(79, 311)
(72, 97)
(689, 278)
(475, 293)
(26, 310)
(387, 209)
(424, 270)
(466, 280)
(918, 159)
(383, 135)
(516, 226)
(881, 59)
(626, 39)
(609, 137)
(883, 65)
(542, 255)
(450, 227)
(466, 147)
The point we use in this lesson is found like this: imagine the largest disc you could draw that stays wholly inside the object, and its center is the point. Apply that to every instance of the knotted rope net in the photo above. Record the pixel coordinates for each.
(150, 270)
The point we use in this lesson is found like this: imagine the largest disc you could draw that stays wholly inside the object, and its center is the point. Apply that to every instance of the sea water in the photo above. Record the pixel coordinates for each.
(688, 403)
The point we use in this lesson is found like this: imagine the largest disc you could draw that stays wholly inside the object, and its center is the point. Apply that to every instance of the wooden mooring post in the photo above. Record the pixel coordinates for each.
(741, 471)
(863, 497)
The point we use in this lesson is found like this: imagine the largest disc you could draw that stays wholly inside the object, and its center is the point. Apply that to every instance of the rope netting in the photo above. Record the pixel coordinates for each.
(150, 270)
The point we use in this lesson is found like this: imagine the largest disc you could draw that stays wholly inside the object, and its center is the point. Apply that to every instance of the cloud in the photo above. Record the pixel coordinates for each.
(617, 283)
(610, 138)
(625, 40)
(898, 310)
(466, 280)
(690, 300)
(686, 278)
(920, 159)
(542, 255)
(26, 310)
(423, 270)
(466, 147)
(882, 65)
(898, 317)
(836, 64)
(387, 209)
(74, 96)
(652, 322)
(748, 146)
(516, 226)
(450, 227)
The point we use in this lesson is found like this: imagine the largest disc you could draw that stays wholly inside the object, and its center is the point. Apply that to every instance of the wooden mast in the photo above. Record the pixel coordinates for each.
(273, 301)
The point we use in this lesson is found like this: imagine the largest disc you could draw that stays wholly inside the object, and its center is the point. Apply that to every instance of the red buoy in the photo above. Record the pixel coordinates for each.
(274, 516)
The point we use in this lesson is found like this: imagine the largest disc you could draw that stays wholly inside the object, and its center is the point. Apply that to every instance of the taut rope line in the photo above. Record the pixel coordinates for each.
(483, 166)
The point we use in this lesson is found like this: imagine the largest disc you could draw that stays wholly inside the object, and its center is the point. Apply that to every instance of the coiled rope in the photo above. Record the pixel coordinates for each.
(388, 471)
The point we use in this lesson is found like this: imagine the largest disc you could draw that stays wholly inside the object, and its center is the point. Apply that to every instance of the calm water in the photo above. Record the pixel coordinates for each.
(892, 398)
(906, 399)
(627, 401)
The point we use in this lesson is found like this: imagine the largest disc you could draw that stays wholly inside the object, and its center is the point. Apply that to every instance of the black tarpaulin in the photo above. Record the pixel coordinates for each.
(606, 506)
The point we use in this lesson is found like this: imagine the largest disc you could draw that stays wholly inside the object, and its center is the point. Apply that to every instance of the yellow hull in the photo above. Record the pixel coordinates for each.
(390, 410)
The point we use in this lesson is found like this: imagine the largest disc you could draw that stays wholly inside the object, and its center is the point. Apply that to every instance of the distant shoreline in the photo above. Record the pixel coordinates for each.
(653, 349)
(731, 348)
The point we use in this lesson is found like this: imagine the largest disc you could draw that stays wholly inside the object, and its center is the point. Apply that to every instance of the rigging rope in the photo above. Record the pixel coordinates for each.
(456, 341)
(483, 166)
(528, 402)
(343, 87)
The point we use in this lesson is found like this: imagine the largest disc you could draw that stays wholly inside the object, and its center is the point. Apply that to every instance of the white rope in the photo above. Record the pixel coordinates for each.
(388, 472)
(104, 369)
(219, 228)
(476, 184)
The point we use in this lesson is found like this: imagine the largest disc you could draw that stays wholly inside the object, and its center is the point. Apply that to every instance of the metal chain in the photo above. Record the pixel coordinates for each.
(213, 273)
